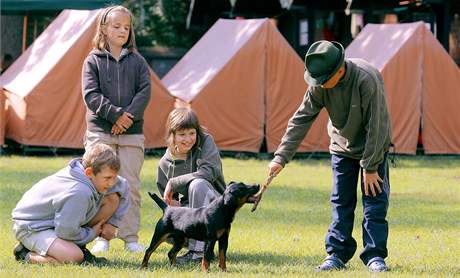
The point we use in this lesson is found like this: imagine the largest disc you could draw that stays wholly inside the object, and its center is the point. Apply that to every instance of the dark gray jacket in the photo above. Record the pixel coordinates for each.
(111, 87)
(359, 122)
(202, 162)
(66, 201)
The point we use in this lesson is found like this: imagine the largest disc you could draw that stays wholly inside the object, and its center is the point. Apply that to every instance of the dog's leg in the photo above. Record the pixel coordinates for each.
(223, 245)
(158, 237)
(178, 244)
(208, 249)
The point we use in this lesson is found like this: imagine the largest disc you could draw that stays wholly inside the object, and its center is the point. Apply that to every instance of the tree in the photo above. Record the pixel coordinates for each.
(164, 23)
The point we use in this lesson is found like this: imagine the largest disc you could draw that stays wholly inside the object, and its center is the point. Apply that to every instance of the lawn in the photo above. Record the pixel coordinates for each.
(285, 236)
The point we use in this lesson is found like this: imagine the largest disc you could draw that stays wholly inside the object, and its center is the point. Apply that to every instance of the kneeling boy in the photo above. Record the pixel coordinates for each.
(60, 214)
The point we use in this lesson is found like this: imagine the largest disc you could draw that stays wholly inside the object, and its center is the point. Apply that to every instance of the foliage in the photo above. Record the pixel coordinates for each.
(164, 23)
(285, 236)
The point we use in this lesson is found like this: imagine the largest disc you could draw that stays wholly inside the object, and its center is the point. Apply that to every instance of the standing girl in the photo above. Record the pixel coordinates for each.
(116, 91)
(191, 168)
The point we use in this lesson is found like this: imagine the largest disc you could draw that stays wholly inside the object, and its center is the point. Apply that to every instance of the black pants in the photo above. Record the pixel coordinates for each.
(339, 240)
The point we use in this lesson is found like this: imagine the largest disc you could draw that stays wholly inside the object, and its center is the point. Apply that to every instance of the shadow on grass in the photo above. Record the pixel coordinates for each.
(270, 258)
(235, 259)
(312, 207)
(412, 270)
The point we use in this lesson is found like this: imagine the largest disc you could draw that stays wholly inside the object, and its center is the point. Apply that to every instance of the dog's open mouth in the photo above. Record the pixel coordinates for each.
(252, 199)
(255, 196)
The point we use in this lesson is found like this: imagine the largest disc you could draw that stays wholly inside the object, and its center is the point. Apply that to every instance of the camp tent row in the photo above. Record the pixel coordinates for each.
(43, 88)
(47, 110)
(243, 80)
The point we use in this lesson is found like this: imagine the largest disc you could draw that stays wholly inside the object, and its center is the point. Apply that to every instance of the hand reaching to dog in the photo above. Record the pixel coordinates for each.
(372, 182)
(274, 169)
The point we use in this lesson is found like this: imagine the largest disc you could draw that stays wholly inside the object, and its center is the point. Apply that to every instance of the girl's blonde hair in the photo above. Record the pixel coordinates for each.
(182, 118)
(100, 40)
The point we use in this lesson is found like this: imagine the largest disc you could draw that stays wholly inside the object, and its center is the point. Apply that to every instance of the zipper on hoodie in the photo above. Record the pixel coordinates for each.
(118, 82)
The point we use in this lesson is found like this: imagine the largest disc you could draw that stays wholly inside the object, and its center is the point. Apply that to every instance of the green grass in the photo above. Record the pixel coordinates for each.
(285, 236)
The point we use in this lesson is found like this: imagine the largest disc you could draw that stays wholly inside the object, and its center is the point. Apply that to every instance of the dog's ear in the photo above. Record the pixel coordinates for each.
(231, 182)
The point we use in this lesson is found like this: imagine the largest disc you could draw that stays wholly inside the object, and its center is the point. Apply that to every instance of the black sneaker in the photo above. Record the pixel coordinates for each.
(89, 258)
(377, 264)
(331, 262)
(20, 252)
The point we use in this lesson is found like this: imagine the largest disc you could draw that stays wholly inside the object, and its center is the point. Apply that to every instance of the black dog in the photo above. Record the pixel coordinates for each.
(208, 224)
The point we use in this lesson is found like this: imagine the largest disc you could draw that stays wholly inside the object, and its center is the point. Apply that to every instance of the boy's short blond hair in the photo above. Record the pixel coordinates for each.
(100, 155)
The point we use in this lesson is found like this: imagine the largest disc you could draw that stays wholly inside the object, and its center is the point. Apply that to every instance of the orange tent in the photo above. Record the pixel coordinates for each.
(440, 98)
(422, 84)
(43, 87)
(284, 91)
(244, 81)
(156, 113)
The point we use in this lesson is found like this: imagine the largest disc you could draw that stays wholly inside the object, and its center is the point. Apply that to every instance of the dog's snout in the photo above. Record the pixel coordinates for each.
(256, 188)
(253, 190)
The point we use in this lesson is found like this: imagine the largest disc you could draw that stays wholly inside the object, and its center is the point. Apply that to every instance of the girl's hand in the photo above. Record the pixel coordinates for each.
(125, 121)
(168, 194)
(116, 130)
(175, 203)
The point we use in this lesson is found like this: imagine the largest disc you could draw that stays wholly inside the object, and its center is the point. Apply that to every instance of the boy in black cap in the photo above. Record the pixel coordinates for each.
(353, 93)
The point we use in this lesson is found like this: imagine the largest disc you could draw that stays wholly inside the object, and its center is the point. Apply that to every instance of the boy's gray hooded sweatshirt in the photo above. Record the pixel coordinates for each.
(359, 123)
(203, 162)
(66, 202)
(111, 87)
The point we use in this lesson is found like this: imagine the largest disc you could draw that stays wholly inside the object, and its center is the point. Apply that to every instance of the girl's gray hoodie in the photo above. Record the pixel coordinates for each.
(66, 201)
(202, 162)
(111, 87)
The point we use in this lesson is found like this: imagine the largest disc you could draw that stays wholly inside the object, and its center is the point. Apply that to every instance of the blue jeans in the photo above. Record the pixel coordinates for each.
(339, 240)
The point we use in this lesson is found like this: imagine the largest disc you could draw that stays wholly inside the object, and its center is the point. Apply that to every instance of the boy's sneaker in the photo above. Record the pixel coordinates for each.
(21, 252)
(102, 245)
(331, 262)
(89, 258)
(134, 247)
(190, 257)
(377, 264)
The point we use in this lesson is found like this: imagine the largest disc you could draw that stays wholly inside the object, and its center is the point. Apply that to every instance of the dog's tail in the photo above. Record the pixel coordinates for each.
(158, 200)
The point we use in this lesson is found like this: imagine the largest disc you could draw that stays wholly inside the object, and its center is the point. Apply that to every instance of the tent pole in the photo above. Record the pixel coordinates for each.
(35, 28)
(24, 33)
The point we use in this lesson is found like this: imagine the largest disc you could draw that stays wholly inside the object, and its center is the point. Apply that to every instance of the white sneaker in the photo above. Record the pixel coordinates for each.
(134, 247)
(102, 245)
